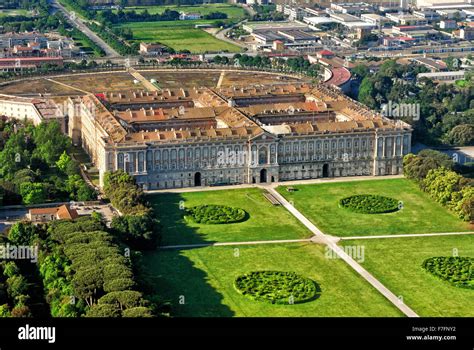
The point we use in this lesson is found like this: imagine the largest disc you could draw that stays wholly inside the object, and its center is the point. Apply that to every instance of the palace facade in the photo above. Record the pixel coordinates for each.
(234, 135)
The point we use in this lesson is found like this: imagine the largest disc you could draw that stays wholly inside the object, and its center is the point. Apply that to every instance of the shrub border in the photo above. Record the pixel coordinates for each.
(189, 216)
(390, 210)
(316, 294)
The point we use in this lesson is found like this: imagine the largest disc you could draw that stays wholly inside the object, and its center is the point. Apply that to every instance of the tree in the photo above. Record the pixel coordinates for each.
(16, 153)
(24, 175)
(361, 71)
(21, 311)
(124, 194)
(441, 183)
(462, 135)
(119, 284)
(50, 141)
(115, 271)
(11, 269)
(417, 166)
(16, 286)
(366, 92)
(85, 193)
(88, 283)
(5, 310)
(124, 299)
(139, 311)
(103, 310)
(33, 193)
(138, 231)
(63, 161)
(23, 233)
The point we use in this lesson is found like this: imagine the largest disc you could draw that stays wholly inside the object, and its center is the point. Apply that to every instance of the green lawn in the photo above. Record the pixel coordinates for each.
(265, 221)
(179, 35)
(396, 262)
(15, 12)
(420, 214)
(202, 280)
(232, 11)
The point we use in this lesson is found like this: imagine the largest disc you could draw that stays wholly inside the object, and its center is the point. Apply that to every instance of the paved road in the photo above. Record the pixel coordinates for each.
(331, 243)
(79, 24)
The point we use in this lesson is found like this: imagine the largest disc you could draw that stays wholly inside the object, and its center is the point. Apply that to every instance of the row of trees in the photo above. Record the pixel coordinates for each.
(113, 39)
(120, 16)
(41, 21)
(85, 272)
(446, 111)
(435, 173)
(35, 166)
(137, 227)
(67, 30)
(13, 292)
(293, 64)
(267, 13)
(20, 296)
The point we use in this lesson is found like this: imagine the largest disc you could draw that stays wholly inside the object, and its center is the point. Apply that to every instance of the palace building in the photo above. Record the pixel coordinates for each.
(234, 135)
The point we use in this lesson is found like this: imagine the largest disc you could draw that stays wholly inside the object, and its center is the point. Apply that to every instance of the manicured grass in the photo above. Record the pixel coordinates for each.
(265, 221)
(397, 263)
(179, 35)
(420, 214)
(202, 279)
(462, 83)
(15, 12)
(232, 11)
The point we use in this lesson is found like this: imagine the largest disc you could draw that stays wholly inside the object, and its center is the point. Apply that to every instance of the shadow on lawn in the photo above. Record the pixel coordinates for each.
(173, 275)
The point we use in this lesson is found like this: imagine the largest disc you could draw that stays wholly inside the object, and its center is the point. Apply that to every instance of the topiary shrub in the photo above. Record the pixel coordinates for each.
(369, 204)
(459, 271)
(215, 214)
(277, 287)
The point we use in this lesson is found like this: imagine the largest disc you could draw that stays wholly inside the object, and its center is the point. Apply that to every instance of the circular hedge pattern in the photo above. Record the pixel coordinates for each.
(370, 204)
(458, 271)
(277, 287)
(215, 214)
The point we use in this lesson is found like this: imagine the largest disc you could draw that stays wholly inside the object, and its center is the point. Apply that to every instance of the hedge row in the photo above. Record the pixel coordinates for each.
(369, 204)
(459, 271)
(277, 287)
(215, 214)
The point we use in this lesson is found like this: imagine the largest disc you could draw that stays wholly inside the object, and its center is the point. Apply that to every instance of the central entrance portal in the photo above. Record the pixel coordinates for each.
(326, 170)
(263, 175)
(197, 179)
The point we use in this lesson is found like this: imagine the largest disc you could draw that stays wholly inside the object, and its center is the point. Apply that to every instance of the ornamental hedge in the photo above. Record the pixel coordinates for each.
(277, 287)
(369, 204)
(459, 271)
(215, 214)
